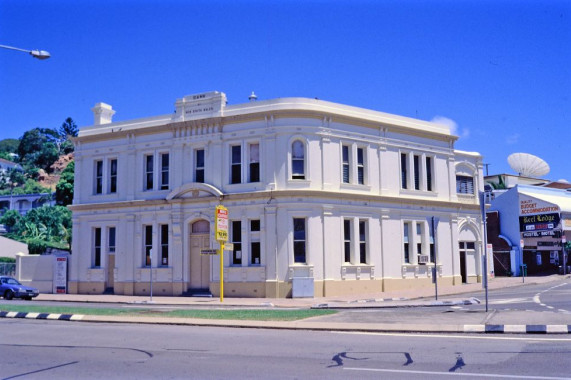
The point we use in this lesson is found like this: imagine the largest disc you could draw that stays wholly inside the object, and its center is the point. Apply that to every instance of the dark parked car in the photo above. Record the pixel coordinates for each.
(10, 288)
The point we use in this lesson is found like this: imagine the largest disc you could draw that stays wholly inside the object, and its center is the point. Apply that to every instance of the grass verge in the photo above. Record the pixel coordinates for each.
(230, 314)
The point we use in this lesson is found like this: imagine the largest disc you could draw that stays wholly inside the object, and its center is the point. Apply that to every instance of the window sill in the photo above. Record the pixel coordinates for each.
(418, 192)
(355, 186)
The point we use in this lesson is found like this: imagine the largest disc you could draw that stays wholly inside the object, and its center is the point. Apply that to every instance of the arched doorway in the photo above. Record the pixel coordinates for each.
(468, 250)
(199, 264)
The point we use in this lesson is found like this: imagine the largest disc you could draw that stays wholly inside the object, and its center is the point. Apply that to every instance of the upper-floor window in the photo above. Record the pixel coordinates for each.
(99, 177)
(113, 175)
(297, 160)
(404, 170)
(429, 173)
(236, 164)
(346, 166)
(199, 166)
(254, 167)
(417, 172)
(299, 242)
(360, 166)
(149, 171)
(164, 171)
(464, 184)
(353, 164)
(416, 165)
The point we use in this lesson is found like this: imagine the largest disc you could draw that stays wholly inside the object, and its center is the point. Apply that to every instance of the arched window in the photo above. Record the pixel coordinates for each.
(297, 160)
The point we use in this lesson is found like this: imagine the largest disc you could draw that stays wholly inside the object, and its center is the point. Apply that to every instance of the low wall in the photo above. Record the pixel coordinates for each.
(36, 271)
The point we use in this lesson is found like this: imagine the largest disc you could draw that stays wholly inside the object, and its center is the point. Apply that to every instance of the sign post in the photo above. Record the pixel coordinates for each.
(563, 243)
(221, 235)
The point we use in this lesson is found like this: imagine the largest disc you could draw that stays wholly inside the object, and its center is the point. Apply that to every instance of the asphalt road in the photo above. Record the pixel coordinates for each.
(34, 349)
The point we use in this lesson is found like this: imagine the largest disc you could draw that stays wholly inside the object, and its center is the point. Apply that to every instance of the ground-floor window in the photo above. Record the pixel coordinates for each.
(406, 248)
(236, 237)
(299, 246)
(97, 247)
(148, 248)
(164, 244)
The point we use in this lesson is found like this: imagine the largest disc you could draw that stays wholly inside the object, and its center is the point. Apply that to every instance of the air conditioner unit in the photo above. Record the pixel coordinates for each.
(423, 259)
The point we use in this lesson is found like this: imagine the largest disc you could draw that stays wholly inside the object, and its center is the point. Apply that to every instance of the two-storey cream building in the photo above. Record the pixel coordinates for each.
(345, 199)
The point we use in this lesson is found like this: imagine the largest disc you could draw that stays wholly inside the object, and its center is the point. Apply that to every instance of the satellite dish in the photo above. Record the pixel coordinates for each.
(528, 165)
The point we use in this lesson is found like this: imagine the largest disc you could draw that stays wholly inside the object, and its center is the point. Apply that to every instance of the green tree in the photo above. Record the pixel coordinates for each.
(9, 145)
(64, 188)
(68, 129)
(39, 147)
(48, 223)
(12, 219)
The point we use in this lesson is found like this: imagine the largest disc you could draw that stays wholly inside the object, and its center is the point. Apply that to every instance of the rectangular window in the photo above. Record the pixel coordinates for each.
(432, 252)
(419, 238)
(113, 176)
(363, 241)
(164, 171)
(98, 177)
(111, 239)
(346, 168)
(97, 247)
(299, 248)
(298, 160)
(255, 246)
(254, 163)
(347, 239)
(236, 165)
(199, 166)
(406, 244)
(464, 185)
(255, 225)
(149, 172)
(416, 163)
(360, 166)
(237, 241)
(403, 170)
(255, 252)
(148, 239)
(428, 173)
(164, 244)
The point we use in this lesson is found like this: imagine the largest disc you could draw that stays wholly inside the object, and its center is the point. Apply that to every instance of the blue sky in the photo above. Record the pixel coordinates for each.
(498, 71)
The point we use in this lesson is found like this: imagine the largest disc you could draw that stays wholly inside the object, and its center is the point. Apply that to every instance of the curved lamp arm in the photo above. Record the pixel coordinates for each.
(39, 54)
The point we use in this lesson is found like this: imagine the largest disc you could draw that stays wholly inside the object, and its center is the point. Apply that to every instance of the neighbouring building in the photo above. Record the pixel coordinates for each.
(529, 225)
(338, 197)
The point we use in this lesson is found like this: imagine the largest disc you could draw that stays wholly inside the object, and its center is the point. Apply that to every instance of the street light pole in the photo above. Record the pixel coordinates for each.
(39, 54)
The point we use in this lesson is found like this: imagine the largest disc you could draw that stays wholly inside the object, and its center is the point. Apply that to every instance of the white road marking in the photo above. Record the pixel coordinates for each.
(511, 300)
(459, 336)
(488, 375)
(557, 329)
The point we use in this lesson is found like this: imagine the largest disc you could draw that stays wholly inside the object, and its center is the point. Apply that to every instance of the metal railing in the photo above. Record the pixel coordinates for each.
(8, 269)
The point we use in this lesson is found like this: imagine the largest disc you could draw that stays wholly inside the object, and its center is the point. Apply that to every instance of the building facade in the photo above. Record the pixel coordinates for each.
(355, 201)
(534, 224)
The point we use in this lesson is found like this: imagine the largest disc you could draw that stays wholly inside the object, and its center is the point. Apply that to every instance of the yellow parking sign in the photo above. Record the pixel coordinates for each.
(221, 230)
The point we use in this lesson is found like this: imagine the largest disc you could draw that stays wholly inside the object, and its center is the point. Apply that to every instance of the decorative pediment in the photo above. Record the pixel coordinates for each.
(195, 190)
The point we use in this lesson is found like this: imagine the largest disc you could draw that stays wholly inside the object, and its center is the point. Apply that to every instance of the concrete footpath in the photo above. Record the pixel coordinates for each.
(427, 314)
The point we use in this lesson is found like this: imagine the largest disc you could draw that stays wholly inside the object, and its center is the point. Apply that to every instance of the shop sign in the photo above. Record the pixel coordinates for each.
(531, 206)
(538, 222)
(538, 234)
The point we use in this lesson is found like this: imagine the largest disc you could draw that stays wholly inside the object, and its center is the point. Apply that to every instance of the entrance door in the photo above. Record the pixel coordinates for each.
(199, 264)
(110, 270)
(463, 266)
